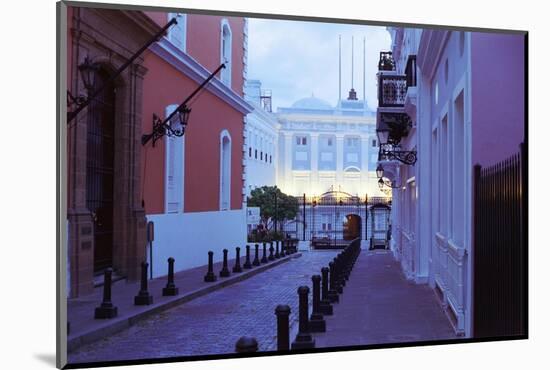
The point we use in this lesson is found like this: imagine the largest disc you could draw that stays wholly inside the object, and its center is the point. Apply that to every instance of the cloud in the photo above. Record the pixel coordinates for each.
(296, 59)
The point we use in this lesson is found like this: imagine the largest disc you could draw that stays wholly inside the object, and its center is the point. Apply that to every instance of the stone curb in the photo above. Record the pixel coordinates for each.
(116, 325)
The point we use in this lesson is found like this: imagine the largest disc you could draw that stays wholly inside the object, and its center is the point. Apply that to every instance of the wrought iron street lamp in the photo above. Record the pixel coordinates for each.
(379, 171)
(88, 71)
(383, 182)
(175, 123)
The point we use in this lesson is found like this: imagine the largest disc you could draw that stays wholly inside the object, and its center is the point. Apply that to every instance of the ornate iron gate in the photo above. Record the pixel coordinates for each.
(500, 248)
(332, 219)
(99, 172)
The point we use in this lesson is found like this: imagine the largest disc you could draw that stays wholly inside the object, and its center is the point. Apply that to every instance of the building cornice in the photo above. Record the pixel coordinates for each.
(262, 114)
(365, 120)
(192, 69)
(143, 21)
(430, 48)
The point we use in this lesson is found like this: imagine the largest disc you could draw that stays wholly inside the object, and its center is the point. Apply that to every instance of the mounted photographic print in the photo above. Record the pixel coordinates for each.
(237, 185)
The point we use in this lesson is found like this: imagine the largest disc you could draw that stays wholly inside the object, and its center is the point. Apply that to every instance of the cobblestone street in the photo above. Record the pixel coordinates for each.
(213, 323)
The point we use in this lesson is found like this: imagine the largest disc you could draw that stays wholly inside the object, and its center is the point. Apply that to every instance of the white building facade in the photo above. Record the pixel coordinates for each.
(261, 133)
(431, 233)
(324, 148)
(456, 90)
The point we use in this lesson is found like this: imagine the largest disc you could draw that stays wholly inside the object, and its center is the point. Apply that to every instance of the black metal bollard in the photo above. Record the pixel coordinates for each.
(210, 277)
(246, 344)
(332, 293)
(283, 341)
(316, 321)
(247, 264)
(277, 255)
(271, 256)
(282, 253)
(325, 307)
(340, 281)
(143, 297)
(264, 258)
(256, 261)
(237, 267)
(224, 272)
(303, 338)
(338, 286)
(170, 288)
(106, 309)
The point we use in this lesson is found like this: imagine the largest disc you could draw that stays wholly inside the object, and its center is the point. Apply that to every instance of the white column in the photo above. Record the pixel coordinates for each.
(288, 162)
(339, 160)
(314, 177)
(364, 161)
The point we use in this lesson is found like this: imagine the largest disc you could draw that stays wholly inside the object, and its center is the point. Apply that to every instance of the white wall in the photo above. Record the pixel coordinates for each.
(187, 237)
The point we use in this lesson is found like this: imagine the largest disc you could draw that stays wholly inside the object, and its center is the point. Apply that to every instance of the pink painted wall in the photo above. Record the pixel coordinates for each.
(206, 50)
(163, 85)
(204, 40)
(498, 93)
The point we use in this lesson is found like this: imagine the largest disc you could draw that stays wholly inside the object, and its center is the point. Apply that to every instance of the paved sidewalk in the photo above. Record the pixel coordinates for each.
(212, 323)
(80, 311)
(380, 306)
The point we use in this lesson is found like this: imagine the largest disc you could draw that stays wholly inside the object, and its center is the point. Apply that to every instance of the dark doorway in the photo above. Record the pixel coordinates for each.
(99, 171)
(380, 226)
(352, 227)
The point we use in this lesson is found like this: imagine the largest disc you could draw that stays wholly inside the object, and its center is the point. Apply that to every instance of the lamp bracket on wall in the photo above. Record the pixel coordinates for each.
(390, 152)
(162, 128)
(175, 123)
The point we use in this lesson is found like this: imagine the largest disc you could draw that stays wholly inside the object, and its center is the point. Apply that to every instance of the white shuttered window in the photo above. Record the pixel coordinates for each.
(177, 33)
(174, 170)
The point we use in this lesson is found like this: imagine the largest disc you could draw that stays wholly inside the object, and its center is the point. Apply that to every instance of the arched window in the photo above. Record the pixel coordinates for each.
(177, 34)
(225, 52)
(225, 170)
(174, 172)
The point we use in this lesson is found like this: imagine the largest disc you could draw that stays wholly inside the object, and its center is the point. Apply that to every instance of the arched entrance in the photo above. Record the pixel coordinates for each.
(100, 171)
(352, 227)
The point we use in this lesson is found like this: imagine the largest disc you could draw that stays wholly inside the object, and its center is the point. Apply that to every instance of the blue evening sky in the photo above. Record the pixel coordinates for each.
(297, 59)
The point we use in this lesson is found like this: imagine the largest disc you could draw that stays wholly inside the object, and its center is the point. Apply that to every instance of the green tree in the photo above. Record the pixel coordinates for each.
(274, 205)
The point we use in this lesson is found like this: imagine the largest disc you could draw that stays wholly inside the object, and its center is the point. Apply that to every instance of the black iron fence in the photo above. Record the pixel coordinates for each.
(500, 248)
(334, 218)
(392, 90)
